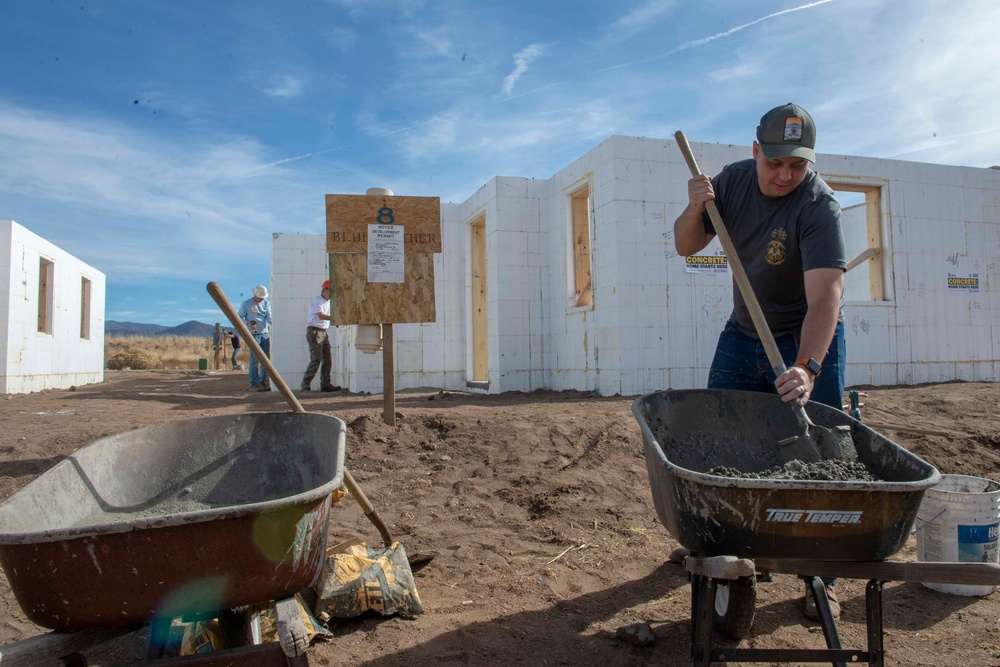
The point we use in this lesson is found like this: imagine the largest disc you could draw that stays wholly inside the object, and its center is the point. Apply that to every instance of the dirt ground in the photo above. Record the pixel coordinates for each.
(539, 513)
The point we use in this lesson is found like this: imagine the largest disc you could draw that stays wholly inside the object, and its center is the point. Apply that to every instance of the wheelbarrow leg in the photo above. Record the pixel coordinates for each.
(702, 611)
(159, 636)
(826, 619)
(873, 604)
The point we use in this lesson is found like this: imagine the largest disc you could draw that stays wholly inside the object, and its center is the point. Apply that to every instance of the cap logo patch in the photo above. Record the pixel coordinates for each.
(793, 129)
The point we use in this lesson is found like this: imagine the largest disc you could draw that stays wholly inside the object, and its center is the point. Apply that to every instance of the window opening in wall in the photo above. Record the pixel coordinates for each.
(45, 288)
(861, 217)
(84, 309)
(580, 212)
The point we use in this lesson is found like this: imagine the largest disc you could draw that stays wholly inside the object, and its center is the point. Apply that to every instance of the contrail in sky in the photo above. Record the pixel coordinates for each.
(712, 38)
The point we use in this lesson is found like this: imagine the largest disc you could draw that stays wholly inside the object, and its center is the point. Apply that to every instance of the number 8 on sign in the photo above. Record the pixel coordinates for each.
(385, 216)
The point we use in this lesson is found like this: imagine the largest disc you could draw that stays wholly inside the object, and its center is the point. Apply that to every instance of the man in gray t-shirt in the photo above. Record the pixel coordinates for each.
(785, 226)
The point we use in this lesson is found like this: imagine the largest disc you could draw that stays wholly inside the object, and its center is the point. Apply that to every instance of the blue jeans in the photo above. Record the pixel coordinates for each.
(741, 363)
(257, 374)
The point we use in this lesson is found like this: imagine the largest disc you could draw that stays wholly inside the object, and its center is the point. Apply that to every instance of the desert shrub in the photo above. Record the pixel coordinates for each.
(134, 359)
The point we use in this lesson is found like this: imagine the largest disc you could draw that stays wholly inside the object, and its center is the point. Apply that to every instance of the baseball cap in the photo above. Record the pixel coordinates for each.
(326, 284)
(787, 131)
(260, 292)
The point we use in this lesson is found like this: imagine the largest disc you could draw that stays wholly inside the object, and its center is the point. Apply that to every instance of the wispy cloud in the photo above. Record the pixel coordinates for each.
(521, 61)
(342, 38)
(113, 193)
(741, 70)
(638, 19)
(437, 39)
(434, 137)
(280, 85)
(358, 9)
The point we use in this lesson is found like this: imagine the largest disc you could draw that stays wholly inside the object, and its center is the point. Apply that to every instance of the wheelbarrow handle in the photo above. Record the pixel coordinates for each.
(352, 486)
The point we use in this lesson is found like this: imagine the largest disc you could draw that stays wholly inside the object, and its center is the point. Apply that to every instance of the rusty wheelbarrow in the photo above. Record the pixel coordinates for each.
(739, 527)
(175, 519)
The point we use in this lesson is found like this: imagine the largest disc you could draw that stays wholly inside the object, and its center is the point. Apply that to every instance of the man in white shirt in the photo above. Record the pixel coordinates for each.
(317, 335)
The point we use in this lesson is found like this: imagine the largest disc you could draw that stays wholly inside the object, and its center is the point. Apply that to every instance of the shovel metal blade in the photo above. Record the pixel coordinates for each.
(799, 448)
(835, 443)
(819, 443)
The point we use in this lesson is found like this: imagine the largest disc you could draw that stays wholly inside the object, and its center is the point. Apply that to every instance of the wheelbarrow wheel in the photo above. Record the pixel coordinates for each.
(236, 627)
(735, 606)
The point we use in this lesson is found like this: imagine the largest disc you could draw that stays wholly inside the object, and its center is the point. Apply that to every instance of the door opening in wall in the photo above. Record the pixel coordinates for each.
(480, 321)
(861, 217)
(46, 271)
(582, 288)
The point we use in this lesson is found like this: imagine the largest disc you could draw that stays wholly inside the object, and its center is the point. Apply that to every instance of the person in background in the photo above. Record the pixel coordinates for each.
(234, 339)
(784, 222)
(256, 312)
(317, 335)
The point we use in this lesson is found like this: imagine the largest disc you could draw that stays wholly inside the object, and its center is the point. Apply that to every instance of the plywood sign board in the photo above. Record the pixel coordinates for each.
(354, 300)
(348, 217)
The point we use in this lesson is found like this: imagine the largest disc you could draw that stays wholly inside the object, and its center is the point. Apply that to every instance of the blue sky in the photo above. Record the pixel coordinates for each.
(164, 142)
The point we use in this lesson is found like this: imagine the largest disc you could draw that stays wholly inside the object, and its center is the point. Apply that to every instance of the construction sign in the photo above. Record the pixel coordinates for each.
(381, 250)
(966, 282)
(710, 262)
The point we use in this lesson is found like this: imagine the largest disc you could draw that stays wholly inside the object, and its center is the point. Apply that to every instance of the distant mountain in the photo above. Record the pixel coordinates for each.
(124, 328)
(192, 329)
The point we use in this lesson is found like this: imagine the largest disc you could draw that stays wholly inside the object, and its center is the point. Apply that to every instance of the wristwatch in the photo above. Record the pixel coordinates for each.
(810, 365)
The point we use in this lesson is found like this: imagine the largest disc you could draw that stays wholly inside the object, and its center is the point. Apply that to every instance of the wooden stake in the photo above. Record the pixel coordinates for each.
(218, 344)
(388, 377)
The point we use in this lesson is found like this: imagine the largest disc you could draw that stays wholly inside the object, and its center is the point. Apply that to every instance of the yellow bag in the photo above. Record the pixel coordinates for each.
(357, 578)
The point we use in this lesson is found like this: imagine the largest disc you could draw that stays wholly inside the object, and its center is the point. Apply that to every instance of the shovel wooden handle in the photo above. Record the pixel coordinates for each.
(740, 274)
(352, 486)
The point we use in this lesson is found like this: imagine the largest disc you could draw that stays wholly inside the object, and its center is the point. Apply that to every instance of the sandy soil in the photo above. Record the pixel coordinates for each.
(538, 509)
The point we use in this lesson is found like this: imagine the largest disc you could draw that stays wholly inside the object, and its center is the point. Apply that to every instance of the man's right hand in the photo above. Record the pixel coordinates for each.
(689, 231)
(700, 191)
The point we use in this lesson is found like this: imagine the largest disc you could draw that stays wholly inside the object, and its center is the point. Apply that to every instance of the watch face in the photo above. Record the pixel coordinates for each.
(814, 366)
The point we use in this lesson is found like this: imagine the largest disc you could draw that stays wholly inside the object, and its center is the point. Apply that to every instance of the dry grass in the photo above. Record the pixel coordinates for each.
(170, 352)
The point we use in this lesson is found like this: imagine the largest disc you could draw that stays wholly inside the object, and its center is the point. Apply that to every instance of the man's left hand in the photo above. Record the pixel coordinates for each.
(795, 384)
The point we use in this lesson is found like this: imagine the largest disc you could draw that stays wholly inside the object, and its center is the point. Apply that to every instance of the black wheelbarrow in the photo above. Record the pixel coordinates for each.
(737, 526)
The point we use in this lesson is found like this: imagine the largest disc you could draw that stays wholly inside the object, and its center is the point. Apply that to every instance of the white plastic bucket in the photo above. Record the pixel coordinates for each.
(959, 522)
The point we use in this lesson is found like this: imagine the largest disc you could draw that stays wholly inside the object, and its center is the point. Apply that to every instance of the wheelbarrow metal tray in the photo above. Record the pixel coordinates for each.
(686, 433)
(178, 518)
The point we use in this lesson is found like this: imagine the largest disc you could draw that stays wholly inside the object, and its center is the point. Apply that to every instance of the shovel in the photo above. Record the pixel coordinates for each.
(815, 442)
(245, 335)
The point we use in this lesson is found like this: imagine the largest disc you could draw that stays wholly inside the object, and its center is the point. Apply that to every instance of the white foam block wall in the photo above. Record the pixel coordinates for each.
(653, 325)
(33, 361)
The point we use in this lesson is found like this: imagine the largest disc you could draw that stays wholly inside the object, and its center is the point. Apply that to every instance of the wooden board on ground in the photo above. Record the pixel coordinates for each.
(354, 300)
